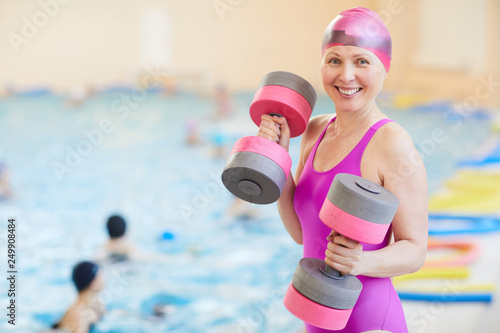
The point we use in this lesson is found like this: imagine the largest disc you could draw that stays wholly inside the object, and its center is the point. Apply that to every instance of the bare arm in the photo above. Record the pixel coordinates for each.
(286, 209)
(276, 129)
(403, 173)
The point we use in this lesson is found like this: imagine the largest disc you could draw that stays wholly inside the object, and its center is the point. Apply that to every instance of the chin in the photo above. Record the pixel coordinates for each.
(347, 106)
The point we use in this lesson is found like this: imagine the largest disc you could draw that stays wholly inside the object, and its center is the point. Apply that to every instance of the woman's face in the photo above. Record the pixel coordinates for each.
(352, 77)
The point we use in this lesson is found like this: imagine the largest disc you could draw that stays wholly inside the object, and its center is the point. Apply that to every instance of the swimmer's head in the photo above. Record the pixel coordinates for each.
(116, 226)
(84, 274)
(363, 28)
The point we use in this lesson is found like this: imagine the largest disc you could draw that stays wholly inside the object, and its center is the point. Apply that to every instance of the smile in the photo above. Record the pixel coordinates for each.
(348, 92)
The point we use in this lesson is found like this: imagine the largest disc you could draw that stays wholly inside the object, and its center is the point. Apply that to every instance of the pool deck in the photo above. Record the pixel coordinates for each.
(427, 317)
(435, 317)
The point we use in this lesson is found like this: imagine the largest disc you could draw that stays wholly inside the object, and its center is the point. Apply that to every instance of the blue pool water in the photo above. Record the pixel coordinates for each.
(219, 274)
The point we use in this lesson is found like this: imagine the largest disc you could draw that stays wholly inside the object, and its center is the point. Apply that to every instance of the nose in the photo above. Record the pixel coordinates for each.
(347, 73)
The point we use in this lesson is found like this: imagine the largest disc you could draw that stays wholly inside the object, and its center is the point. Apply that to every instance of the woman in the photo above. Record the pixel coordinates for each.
(359, 139)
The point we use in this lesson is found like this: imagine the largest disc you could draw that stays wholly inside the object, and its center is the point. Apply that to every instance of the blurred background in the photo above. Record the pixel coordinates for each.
(440, 48)
(131, 107)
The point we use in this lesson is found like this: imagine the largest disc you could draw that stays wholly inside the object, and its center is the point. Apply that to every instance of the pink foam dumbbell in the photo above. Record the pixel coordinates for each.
(257, 168)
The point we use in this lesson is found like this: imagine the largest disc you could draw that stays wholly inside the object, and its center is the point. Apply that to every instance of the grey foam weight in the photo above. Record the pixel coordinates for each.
(363, 198)
(339, 294)
(292, 81)
(253, 177)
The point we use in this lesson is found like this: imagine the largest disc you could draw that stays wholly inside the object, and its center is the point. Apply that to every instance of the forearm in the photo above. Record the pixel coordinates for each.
(287, 211)
(401, 257)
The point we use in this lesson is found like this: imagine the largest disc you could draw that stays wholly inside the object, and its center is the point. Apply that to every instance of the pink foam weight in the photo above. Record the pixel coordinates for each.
(284, 101)
(314, 313)
(265, 147)
(351, 226)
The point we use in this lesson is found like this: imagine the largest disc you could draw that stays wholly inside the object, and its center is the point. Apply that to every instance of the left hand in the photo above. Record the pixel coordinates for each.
(343, 254)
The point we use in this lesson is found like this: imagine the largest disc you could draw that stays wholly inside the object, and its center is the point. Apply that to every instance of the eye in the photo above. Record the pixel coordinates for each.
(334, 61)
(362, 62)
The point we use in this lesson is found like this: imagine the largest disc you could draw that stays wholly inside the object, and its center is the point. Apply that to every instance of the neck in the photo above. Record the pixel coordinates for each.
(349, 122)
(118, 240)
(86, 296)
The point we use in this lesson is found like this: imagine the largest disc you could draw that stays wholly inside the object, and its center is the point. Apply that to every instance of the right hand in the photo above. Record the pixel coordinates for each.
(275, 128)
(343, 253)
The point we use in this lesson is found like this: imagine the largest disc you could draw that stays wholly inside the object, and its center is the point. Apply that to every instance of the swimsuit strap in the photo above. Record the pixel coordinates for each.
(381, 123)
(353, 159)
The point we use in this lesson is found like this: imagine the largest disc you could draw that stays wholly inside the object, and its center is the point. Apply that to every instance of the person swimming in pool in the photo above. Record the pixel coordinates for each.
(358, 139)
(88, 309)
(224, 105)
(119, 248)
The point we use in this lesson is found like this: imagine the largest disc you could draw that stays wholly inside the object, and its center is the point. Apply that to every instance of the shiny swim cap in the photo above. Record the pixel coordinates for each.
(360, 27)
(83, 274)
(116, 226)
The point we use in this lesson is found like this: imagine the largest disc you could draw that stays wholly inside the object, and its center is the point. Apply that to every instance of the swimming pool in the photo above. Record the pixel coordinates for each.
(221, 274)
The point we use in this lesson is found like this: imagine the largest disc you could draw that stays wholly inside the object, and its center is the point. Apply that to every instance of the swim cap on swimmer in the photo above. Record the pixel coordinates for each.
(83, 274)
(116, 226)
(360, 27)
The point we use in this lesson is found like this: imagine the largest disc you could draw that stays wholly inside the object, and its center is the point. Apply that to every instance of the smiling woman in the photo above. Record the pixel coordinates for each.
(358, 139)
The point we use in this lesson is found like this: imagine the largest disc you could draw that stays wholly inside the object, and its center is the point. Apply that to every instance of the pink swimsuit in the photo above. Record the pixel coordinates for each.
(378, 306)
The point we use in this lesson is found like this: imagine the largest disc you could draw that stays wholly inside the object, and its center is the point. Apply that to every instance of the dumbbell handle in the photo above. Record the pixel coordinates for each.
(331, 272)
(275, 114)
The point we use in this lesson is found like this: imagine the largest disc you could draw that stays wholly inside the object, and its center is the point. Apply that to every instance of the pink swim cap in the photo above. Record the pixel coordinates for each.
(360, 27)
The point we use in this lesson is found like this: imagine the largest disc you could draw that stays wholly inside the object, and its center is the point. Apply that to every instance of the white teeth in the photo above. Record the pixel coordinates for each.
(349, 91)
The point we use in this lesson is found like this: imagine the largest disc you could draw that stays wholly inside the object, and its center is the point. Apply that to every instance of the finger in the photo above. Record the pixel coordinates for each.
(341, 268)
(280, 120)
(339, 259)
(265, 133)
(268, 133)
(346, 242)
(269, 122)
(282, 123)
(332, 235)
(266, 117)
(271, 126)
(340, 250)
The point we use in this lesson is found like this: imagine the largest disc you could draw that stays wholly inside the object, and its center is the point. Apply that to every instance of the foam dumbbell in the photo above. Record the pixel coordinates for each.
(257, 168)
(361, 210)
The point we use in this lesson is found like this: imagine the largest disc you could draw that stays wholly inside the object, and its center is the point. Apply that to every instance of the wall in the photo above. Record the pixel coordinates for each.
(99, 41)
(441, 83)
(232, 41)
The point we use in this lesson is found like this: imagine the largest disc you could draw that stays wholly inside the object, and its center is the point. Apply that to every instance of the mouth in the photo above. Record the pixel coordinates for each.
(347, 92)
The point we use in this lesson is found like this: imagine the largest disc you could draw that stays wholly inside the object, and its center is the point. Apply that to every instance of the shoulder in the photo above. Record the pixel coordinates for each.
(396, 153)
(316, 125)
(392, 140)
(72, 319)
